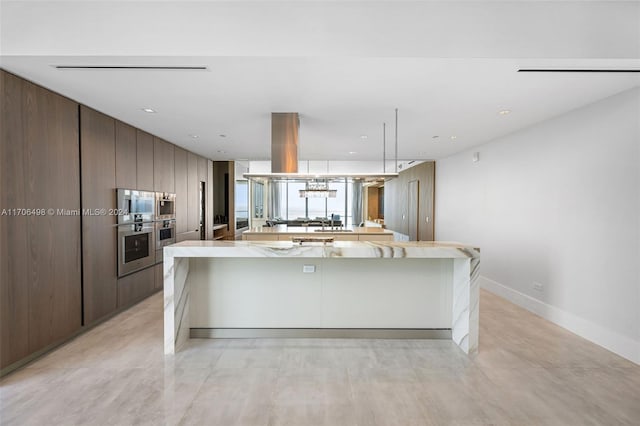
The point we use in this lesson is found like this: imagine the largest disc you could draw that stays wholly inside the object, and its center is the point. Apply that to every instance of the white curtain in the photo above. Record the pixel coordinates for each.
(356, 202)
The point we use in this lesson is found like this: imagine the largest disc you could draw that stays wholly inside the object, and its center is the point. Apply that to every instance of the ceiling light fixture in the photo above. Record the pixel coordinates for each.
(194, 136)
(364, 137)
(505, 112)
(318, 189)
(454, 137)
(149, 110)
(352, 152)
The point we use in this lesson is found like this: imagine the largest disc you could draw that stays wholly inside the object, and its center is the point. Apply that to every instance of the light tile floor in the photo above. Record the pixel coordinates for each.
(528, 372)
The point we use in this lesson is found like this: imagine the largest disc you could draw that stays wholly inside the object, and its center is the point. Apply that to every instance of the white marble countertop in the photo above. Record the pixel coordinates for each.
(342, 249)
(284, 229)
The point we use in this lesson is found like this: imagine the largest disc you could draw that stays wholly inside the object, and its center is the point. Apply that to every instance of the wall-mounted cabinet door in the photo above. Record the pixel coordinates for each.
(181, 185)
(98, 159)
(126, 153)
(40, 282)
(163, 166)
(14, 239)
(53, 166)
(144, 160)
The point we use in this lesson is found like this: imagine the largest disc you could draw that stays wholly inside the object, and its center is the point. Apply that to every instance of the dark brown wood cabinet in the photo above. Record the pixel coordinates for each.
(188, 167)
(135, 287)
(181, 185)
(14, 252)
(126, 153)
(53, 167)
(144, 160)
(163, 166)
(39, 252)
(98, 159)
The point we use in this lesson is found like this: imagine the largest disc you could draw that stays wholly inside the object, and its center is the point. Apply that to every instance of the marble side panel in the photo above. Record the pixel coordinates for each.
(465, 309)
(182, 302)
(176, 303)
(169, 304)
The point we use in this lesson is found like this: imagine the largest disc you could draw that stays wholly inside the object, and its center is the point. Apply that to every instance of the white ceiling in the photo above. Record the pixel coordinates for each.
(347, 81)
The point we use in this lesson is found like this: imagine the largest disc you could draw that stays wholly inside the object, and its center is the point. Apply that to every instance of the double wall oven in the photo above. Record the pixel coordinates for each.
(146, 224)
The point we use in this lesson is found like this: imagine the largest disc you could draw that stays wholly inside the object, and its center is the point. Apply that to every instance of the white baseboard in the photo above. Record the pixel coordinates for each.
(608, 339)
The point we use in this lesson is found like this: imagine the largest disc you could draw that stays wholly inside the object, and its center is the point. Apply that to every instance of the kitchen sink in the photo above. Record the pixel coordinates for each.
(333, 230)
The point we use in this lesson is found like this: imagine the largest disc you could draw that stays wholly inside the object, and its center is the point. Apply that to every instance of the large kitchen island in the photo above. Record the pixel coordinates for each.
(223, 289)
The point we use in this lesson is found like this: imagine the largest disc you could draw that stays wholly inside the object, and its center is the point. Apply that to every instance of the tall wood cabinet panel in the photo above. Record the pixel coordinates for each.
(181, 185)
(163, 166)
(97, 136)
(193, 188)
(53, 167)
(144, 160)
(40, 281)
(126, 154)
(14, 286)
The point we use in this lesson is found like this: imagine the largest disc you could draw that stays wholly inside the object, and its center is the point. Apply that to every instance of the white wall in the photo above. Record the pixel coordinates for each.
(559, 204)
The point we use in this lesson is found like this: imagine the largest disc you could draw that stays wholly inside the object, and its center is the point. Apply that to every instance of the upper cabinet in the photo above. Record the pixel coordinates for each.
(134, 158)
(163, 166)
(126, 175)
(144, 160)
(181, 184)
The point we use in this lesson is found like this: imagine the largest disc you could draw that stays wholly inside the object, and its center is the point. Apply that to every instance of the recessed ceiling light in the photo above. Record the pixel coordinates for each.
(504, 112)
(352, 152)
(221, 152)
(149, 110)
(194, 136)
(454, 137)
(364, 137)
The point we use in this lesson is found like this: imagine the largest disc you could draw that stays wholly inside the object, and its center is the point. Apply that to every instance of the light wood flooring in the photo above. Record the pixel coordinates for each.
(528, 372)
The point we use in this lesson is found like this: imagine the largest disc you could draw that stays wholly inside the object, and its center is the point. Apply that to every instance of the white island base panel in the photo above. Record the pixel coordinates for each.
(234, 286)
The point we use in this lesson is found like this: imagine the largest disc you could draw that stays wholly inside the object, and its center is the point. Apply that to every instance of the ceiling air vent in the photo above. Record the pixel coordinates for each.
(131, 67)
(575, 70)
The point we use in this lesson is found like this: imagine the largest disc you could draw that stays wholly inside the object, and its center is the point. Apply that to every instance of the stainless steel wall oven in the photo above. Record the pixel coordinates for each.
(165, 205)
(136, 247)
(165, 234)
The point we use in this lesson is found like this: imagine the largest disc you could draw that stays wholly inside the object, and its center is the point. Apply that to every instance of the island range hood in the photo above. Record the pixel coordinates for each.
(284, 155)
